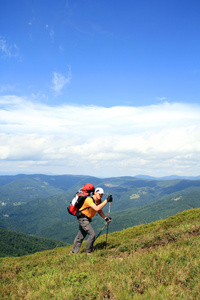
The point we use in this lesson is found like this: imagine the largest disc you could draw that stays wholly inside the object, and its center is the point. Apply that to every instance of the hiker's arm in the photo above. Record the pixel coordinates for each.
(99, 207)
(101, 213)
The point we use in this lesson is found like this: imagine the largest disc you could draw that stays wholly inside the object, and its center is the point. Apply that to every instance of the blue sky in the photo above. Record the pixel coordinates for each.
(105, 88)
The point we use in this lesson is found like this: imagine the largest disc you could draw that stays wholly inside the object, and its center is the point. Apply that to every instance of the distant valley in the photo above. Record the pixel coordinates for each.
(37, 204)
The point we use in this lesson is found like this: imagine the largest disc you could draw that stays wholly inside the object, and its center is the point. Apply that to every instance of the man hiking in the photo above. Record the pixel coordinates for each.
(90, 207)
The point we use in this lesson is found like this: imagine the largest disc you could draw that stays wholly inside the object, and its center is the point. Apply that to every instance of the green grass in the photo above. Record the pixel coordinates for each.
(159, 260)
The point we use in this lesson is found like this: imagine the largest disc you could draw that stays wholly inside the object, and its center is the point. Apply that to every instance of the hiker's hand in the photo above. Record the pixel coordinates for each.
(108, 219)
(110, 198)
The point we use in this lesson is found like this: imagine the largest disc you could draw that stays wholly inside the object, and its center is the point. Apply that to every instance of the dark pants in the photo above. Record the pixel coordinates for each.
(84, 229)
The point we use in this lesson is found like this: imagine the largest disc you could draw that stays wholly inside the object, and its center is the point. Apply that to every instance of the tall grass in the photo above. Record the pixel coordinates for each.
(159, 260)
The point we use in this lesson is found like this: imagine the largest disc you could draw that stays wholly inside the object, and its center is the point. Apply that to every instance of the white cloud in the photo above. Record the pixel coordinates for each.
(156, 140)
(51, 34)
(8, 87)
(8, 50)
(160, 98)
(59, 81)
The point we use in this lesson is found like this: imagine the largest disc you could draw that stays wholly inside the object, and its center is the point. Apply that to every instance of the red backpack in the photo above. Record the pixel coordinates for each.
(79, 198)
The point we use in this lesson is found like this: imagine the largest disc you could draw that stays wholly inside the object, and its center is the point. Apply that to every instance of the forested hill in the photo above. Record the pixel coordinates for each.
(18, 244)
(37, 204)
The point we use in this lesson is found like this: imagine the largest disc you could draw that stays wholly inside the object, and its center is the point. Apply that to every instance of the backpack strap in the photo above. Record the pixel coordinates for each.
(81, 215)
(88, 206)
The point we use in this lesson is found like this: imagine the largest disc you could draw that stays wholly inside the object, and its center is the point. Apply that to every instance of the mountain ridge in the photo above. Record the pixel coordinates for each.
(169, 177)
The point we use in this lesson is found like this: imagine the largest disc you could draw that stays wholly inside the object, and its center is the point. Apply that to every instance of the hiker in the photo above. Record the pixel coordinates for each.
(90, 207)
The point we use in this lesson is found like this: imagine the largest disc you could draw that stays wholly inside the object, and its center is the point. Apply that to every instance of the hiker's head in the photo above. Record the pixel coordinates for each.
(99, 192)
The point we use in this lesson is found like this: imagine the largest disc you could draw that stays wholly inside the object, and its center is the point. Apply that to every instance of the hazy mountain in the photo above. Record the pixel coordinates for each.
(22, 188)
(171, 177)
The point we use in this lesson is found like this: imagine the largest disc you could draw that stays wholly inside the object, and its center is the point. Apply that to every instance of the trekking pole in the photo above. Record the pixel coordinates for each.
(108, 224)
(100, 232)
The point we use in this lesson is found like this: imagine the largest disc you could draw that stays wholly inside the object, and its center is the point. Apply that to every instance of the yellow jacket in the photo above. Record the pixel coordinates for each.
(86, 209)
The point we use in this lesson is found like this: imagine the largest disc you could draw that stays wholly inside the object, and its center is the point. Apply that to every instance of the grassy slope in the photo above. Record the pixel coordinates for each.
(159, 260)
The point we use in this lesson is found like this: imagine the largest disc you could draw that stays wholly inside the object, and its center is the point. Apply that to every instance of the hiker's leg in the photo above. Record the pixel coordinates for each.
(86, 226)
(84, 229)
(91, 239)
(78, 239)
